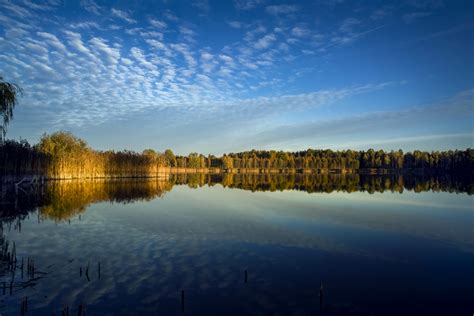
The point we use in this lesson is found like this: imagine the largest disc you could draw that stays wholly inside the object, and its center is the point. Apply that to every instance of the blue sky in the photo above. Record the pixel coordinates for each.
(219, 76)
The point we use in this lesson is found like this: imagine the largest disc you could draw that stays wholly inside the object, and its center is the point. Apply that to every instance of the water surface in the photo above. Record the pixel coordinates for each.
(379, 245)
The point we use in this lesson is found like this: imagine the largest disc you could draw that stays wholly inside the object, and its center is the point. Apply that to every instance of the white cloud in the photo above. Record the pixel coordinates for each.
(47, 6)
(247, 4)
(250, 35)
(122, 15)
(158, 35)
(206, 56)
(36, 48)
(52, 40)
(202, 5)
(170, 16)
(85, 25)
(348, 25)
(158, 24)
(348, 131)
(100, 45)
(284, 47)
(281, 9)
(235, 24)
(137, 53)
(16, 10)
(225, 72)
(265, 41)
(185, 51)
(300, 31)
(226, 58)
(134, 31)
(186, 31)
(126, 61)
(156, 44)
(92, 7)
(397, 142)
(76, 42)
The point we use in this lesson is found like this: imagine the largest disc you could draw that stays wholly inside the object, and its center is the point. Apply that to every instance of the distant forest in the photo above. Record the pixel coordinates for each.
(62, 155)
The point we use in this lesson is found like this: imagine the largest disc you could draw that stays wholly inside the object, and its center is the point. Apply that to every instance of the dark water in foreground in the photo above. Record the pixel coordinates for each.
(379, 253)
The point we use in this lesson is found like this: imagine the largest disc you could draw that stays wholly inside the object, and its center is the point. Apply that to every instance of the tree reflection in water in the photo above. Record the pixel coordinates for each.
(61, 200)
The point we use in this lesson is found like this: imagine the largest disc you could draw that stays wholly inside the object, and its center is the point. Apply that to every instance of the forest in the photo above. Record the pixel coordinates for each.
(63, 155)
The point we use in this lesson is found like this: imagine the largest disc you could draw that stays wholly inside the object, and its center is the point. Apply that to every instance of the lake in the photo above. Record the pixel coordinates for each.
(241, 245)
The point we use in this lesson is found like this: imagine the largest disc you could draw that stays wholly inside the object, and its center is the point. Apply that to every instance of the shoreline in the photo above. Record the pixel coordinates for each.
(164, 173)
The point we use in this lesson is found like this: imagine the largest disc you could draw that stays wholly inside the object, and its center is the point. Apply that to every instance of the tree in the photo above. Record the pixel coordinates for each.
(9, 93)
(151, 156)
(193, 160)
(170, 158)
(227, 162)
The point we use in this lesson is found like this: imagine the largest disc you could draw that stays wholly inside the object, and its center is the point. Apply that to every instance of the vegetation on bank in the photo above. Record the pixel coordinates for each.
(62, 155)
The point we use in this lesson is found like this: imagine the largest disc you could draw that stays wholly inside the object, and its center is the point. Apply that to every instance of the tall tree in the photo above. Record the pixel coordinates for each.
(9, 93)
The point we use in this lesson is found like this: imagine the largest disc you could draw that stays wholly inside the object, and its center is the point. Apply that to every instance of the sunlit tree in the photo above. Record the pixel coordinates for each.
(170, 158)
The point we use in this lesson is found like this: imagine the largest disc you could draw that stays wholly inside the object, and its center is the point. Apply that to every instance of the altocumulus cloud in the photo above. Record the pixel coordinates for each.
(97, 77)
(112, 63)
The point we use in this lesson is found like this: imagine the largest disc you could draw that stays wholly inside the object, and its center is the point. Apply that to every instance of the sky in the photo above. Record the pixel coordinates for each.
(215, 76)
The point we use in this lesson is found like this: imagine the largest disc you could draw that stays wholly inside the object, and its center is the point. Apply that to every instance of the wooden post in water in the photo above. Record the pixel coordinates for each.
(98, 269)
(87, 271)
(182, 301)
(24, 306)
(245, 276)
(65, 311)
(14, 256)
(321, 297)
(81, 311)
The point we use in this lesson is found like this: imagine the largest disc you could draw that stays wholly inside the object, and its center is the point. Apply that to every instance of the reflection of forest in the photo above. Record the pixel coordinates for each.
(60, 200)
(329, 182)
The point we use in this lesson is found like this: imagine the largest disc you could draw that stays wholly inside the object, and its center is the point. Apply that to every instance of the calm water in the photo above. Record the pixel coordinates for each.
(379, 246)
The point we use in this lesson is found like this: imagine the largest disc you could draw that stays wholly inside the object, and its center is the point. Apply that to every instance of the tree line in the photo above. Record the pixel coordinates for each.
(327, 183)
(63, 155)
